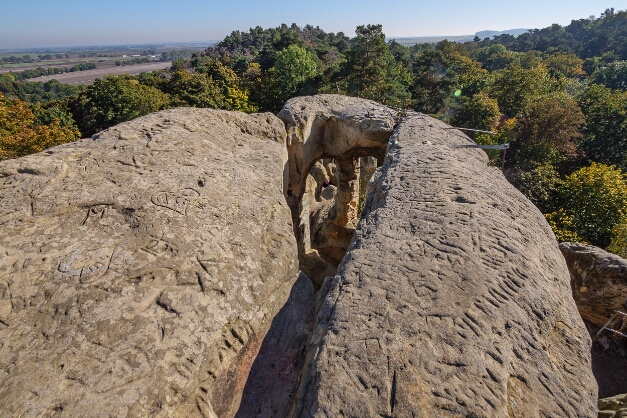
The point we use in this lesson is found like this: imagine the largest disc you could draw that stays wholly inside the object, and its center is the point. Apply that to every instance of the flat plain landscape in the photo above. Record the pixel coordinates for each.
(89, 76)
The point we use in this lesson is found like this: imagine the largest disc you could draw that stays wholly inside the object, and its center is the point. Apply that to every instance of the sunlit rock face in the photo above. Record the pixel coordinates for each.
(153, 271)
(141, 269)
(343, 130)
(453, 298)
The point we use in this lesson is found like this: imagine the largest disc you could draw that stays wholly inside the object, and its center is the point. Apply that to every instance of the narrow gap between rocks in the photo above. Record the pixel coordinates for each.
(330, 209)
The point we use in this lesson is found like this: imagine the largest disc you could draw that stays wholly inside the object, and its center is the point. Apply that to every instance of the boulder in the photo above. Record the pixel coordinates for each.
(614, 407)
(140, 270)
(453, 298)
(598, 280)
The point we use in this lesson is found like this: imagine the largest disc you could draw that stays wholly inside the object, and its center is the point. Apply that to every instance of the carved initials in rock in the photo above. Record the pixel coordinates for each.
(94, 213)
(176, 201)
(159, 247)
(86, 264)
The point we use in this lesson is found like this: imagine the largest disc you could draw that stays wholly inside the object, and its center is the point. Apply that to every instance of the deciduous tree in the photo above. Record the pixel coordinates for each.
(20, 134)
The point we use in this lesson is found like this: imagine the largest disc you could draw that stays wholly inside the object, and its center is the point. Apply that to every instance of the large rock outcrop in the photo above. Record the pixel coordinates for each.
(599, 281)
(341, 128)
(141, 269)
(152, 271)
(453, 298)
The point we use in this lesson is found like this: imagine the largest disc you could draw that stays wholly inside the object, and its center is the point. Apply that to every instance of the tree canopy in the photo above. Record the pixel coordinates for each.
(557, 95)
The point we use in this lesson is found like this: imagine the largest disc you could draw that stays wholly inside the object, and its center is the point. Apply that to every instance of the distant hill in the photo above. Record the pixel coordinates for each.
(490, 33)
(459, 38)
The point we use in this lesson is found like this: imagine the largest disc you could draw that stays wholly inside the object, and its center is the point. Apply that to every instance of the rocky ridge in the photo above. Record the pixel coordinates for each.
(152, 270)
(140, 269)
(453, 299)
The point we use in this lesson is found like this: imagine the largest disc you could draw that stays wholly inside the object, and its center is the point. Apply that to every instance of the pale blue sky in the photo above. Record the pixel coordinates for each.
(34, 23)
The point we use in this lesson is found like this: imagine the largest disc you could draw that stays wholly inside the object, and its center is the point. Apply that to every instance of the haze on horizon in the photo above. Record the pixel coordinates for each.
(40, 23)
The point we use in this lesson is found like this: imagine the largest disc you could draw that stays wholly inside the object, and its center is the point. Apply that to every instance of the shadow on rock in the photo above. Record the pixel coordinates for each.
(274, 376)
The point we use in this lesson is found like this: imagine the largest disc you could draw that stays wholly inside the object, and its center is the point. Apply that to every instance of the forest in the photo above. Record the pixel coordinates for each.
(557, 95)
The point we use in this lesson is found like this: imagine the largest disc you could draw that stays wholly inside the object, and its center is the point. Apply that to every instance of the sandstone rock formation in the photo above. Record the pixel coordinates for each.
(275, 374)
(453, 298)
(335, 127)
(614, 407)
(152, 271)
(599, 281)
(141, 269)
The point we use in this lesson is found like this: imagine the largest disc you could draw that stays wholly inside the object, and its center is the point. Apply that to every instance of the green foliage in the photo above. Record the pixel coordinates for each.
(517, 87)
(539, 184)
(494, 57)
(293, 67)
(216, 87)
(562, 226)
(587, 38)
(40, 71)
(596, 198)
(618, 244)
(504, 133)
(605, 132)
(370, 70)
(469, 71)
(564, 64)
(478, 112)
(112, 100)
(435, 81)
(548, 130)
(614, 75)
(36, 91)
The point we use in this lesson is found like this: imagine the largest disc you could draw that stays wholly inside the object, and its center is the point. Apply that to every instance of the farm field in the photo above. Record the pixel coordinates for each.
(89, 76)
(60, 63)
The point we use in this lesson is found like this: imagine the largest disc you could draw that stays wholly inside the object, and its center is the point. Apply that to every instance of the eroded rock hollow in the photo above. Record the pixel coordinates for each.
(153, 271)
(346, 131)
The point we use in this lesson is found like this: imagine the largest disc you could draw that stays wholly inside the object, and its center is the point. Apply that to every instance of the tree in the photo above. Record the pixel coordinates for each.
(567, 65)
(468, 70)
(618, 245)
(596, 199)
(112, 100)
(517, 87)
(494, 57)
(478, 112)
(370, 70)
(548, 130)
(614, 75)
(264, 88)
(435, 81)
(235, 97)
(20, 134)
(605, 132)
(539, 184)
(293, 67)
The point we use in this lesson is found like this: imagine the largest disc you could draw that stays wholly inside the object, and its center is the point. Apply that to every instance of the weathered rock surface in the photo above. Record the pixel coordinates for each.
(140, 270)
(453, 298)
(152, 271)
(341, 128)
(274, 376)
(614, 407)
(599, 281)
